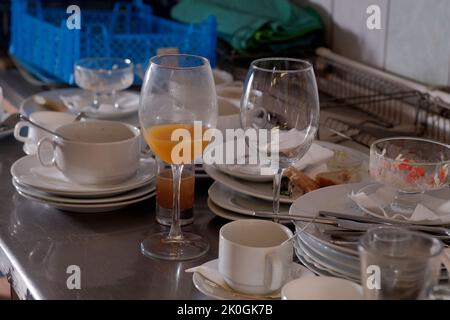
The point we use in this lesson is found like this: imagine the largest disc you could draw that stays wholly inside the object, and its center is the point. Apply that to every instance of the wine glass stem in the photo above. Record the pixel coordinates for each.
(276, 193)
(96, 99)
(175, 228)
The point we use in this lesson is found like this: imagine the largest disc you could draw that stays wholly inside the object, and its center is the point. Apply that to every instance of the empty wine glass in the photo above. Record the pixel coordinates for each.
(104, 77)
(280, 94)
(178, 96)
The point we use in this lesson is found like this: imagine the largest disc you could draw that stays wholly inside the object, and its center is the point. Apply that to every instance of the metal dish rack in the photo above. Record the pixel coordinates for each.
(362, 104)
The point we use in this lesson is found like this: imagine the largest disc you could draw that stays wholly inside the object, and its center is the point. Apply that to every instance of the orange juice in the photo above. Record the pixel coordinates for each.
(164, 190)
(159, 138)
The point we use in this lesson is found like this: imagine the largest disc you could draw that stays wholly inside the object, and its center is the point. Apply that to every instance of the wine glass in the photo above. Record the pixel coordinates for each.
(178, 105)
(280, 95)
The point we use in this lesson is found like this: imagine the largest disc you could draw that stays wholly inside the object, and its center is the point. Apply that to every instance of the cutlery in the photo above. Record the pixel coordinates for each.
(25, 118)
(365, 223)
(350, 228)
(270, 215)
(355, 234)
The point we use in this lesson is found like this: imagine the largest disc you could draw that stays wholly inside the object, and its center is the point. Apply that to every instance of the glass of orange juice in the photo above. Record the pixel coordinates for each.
(178, 105)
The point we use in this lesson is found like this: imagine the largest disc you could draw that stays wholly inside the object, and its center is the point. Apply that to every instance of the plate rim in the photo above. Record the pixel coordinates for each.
(56, 92)
(91, 194)
(237, 295)
(84, 201)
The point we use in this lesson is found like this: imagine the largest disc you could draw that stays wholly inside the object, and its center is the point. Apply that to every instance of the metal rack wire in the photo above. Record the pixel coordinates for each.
(361, 105)
(364, 106)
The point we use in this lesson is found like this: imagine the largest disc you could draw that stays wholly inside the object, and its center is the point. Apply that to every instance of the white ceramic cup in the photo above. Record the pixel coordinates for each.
(48, 119)
(321, 288)
(95, 152)
(251, 257)
(229, 117)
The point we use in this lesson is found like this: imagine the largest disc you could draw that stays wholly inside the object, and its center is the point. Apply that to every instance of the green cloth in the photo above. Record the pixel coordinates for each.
(250, 24)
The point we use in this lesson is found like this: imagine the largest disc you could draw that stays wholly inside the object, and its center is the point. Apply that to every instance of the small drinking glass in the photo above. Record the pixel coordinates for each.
(398, 264)
(104, 77)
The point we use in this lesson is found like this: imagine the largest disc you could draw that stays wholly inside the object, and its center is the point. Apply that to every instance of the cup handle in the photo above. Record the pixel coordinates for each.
(41, 159)
(17, 128)
(274, 279)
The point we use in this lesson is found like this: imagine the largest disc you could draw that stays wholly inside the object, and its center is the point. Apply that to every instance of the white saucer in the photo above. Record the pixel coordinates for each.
(226, 214)
(88, 208)
(129, 104)
(28, 172)
(230, 215)
(240, 203)
(252, 172)
(256, 189)
(214, 291)
(128, 115)
(136, 193)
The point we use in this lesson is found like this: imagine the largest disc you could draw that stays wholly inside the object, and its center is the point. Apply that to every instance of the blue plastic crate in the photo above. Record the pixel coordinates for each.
(41, 41)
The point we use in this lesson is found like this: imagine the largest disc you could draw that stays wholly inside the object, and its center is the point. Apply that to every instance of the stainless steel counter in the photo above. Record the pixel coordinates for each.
(38, 244)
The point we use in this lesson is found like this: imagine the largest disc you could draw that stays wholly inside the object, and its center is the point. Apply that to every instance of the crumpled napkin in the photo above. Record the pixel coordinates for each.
(430, 209)
(128, 101)
(315, 155)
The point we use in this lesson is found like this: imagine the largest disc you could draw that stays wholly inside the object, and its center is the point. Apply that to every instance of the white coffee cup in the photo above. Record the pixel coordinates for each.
(95, 152)
(253, 257)
(48, 119)
(229, 117)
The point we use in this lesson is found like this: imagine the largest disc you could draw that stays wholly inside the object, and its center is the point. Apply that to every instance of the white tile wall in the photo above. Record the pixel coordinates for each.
(414, 41)
(418, 43)
(352, 38)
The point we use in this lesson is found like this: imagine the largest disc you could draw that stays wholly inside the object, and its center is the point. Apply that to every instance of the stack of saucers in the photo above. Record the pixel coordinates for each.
(49, 186)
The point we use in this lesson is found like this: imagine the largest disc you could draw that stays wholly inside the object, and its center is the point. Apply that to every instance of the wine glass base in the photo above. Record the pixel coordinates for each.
(159, 246)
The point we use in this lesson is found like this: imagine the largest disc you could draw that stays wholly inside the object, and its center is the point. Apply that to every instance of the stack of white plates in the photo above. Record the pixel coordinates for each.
(49, 186)
(314, 246)
(237, 195)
